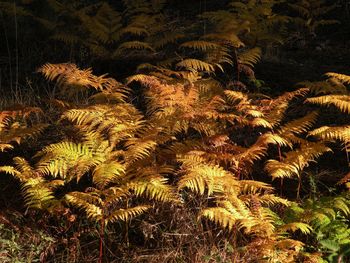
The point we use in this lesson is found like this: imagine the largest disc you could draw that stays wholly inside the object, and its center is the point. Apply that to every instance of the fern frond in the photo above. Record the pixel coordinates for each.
(221, 216)
(70, 75)
(295, 226)
(250, 57)
(139, 148)
(200, 45)
(300, 125)
(37, 194)
(68, 160)
(203, 177)
(342, 102)
(91, 204)
(272, 200)
(132, 45)
(295, 161)
(125, 214)
(195, 64)
(154, 187)
(341, 133)
(253, 187)
(10, 170)
(341, 77)
(106, 173)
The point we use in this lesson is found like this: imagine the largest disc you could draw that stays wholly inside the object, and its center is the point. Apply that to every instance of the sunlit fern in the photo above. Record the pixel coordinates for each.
(15, 125)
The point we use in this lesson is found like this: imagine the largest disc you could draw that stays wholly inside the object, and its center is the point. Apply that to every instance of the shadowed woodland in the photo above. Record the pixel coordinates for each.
(175, 131)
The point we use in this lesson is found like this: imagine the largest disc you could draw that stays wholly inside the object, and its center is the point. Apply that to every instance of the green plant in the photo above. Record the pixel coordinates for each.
(24, 245)
(328, 216)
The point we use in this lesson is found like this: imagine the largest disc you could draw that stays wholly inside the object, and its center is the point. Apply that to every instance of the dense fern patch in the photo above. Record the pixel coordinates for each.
(190, 157)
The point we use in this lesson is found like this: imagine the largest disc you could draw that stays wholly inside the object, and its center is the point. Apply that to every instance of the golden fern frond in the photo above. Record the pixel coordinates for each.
(288, 96)
(204, 177)
(298, 126)
(116, 122)
(272, 200)
(70, 75)
(22, 170)
(195, 64)
(259, 148)
(9, 170)
(232, 203)
(341, 133)
(5, 146)
(253, 187)
(153, 187)
(221, 216)
(260, 122)
(86, 116)
(276, 108)
(295, 226)
(250, 57)
(106, 173)
(233, 215)
(68, 160)
(275, 113)
(16, 134)
(275, 139)
(138, 149)
(236, 96)
(37, 194)
(295, 161)
(342, 102)
(90, 204)
(14, 127)
(341, 77)
(183, 147)
(110, 97)
(125, 214)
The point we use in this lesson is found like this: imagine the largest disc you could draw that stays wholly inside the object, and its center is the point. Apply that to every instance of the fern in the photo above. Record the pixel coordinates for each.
(339, 101)
(15, 126)
(295, 161)
(341, 77)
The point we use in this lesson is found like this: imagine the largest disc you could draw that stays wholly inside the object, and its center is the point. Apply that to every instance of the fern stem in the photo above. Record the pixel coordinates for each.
(280, 159)
(102, 231)
(127, 226)
(347, 155)
(299, 186)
